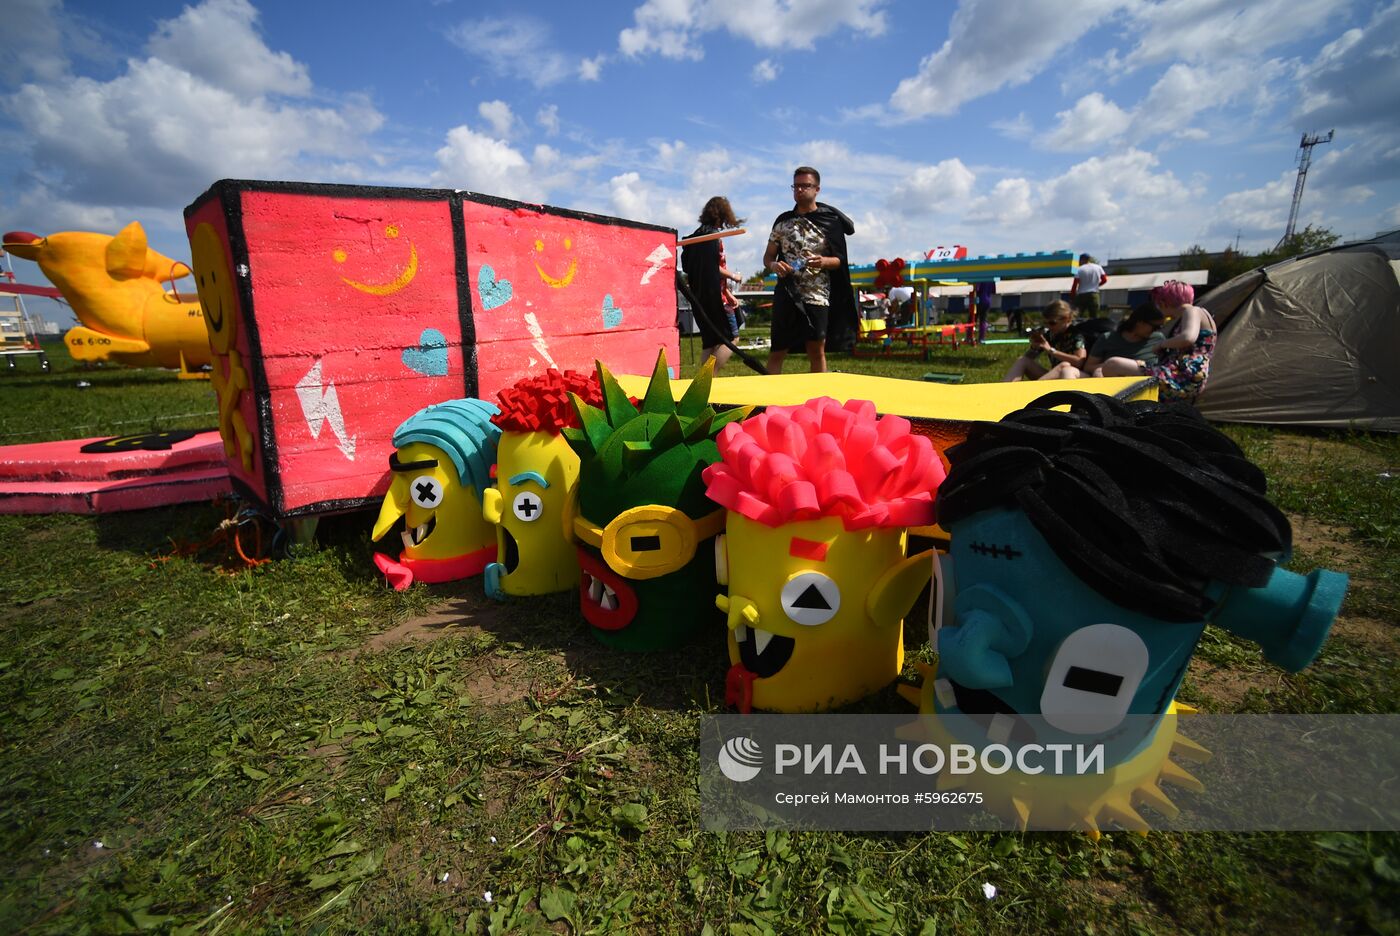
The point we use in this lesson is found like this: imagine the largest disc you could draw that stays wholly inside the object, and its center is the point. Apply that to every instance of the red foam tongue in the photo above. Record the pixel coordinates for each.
(738, 688)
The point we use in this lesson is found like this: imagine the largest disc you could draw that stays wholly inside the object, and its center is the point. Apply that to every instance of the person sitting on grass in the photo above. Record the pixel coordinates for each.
(1137, 337)
(1183, 359)
(1064, 345)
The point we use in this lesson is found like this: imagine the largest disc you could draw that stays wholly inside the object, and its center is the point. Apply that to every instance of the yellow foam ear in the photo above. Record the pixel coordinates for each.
(126, 254)
(898, 589)
(491, 501)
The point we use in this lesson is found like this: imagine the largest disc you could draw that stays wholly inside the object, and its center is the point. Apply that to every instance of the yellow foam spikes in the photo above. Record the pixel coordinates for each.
(1023, 812)
(1151, 795)
(1185, 747)
(1123, 814)
(1176, 776)
(910, 694)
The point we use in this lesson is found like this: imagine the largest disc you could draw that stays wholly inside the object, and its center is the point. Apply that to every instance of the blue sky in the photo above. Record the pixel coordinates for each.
(1120, 127)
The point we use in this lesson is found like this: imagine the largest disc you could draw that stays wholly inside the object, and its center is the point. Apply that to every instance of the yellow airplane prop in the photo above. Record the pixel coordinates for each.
(113, 285)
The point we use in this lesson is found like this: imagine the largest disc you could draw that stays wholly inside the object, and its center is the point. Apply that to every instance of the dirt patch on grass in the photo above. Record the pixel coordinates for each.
(1227, 687)
(455, 617)
(1330, 540)
(1371, 631)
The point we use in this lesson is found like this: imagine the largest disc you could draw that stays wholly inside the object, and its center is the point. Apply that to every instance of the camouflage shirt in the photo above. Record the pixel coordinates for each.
(798, 237)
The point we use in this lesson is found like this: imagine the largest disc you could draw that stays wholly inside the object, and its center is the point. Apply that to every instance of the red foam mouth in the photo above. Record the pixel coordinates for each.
(610, 619)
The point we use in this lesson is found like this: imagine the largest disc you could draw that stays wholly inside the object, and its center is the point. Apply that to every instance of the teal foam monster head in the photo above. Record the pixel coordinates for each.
(1089, 550)
(644, 523)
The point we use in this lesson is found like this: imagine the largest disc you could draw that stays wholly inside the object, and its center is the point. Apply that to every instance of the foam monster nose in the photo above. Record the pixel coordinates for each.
(23, 244)
(741, 611)
(991, 629)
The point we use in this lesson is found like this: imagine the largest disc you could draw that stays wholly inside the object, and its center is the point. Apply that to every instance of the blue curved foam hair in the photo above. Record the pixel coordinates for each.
(463, 430)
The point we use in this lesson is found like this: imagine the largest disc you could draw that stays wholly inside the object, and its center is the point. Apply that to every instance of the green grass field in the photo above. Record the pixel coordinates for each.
(295, 748)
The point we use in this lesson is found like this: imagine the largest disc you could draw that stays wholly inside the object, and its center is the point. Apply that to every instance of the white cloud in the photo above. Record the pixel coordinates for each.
(157, 129)
(929, 187)
(1113, 190)
(1222, 30)
(519, 47)
(1093, 121)
(36, 48)
(1394, 216)
(498, 115)
(974, 61)
(673, 28)
(548, 118)
(765, 71)
(668, 152)
(478, 163)
(1017, 128)
(591, 69)
(218, 42)
(1008, 203)
(1355, 80)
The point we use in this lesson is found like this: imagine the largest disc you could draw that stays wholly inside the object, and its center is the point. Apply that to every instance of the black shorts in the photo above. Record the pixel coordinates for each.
(792, 330)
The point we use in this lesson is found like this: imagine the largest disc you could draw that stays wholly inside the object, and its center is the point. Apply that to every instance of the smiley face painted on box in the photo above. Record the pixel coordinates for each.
(213, 280)
(819, 498)
(441, 461)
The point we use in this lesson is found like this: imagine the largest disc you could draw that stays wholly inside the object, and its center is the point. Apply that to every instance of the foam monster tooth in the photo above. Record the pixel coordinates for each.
(741, 633)
(1126, 817)
(609, 593)
(595, 590)
(1023, 812)
(407, 539)
(943, 689)
(761, 639)
(421, 533)
(999, 731)
(608, 602)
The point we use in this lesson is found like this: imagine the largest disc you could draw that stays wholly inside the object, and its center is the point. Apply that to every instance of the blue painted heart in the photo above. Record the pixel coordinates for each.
(494, 292)
(430, 357)
(612, 315)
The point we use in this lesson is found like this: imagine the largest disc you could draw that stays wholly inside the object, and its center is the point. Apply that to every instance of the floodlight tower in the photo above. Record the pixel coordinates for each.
(1304, 160)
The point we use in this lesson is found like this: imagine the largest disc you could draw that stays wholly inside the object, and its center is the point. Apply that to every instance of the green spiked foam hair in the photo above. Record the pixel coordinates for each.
(651, 455)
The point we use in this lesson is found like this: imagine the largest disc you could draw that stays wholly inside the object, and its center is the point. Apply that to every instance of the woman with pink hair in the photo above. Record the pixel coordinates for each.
(1183, 360)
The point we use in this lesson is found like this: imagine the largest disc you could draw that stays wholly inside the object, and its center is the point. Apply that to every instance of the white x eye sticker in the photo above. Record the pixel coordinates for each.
(810, 598)
(527, 506)
(426, 491)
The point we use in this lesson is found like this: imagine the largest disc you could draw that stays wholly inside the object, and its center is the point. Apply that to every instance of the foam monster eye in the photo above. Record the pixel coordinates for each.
(1093, 678)
(810, 598)
(426, 491)
(527, 506)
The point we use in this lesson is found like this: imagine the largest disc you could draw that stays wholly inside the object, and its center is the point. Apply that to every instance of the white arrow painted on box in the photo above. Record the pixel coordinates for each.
(657, 258)
(322, 406)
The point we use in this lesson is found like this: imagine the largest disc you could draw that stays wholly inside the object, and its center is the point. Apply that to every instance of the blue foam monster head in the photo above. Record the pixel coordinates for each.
(1090, 548)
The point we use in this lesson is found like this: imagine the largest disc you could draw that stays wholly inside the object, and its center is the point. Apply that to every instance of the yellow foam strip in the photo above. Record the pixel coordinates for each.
(910, 398)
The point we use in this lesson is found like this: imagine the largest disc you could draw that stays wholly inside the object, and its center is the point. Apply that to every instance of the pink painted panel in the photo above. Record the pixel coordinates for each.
(566, 274)
(359, 295)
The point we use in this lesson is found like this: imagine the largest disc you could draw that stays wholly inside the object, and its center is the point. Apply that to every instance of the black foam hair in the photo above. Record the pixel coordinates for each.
(1145, 502)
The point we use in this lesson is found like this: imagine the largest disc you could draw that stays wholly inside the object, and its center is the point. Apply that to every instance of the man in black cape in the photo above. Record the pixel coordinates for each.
(813, 306)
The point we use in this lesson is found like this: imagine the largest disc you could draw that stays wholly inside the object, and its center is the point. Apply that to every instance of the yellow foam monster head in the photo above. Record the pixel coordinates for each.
(819, 497)
(534, 501)
(441, 461)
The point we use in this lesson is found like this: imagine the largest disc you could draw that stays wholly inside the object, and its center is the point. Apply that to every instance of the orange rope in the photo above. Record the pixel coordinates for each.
(227, 533)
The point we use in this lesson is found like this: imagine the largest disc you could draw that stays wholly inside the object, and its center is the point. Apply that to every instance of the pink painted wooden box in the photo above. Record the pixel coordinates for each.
(336, 312)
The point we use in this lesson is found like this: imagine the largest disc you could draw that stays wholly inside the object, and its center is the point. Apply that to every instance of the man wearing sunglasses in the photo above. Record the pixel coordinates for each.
(807, 251)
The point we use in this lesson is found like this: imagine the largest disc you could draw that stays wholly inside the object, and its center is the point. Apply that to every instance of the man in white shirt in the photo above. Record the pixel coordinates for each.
(1084, 292)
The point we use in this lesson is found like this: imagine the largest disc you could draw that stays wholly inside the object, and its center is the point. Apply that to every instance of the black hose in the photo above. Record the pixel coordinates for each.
(684, 286)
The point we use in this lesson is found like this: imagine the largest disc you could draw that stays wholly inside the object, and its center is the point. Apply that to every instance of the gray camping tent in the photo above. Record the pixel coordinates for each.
(1310, 341)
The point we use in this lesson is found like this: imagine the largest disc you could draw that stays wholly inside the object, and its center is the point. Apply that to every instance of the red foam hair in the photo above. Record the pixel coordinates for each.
(541, 404)
(822, 459)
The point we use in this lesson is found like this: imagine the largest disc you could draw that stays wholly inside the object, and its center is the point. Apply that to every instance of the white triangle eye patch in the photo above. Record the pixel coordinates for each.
(810, 598)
